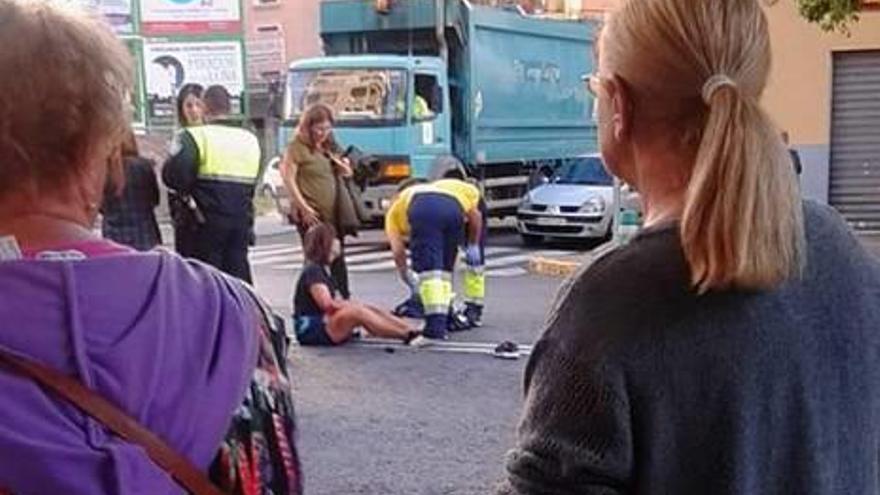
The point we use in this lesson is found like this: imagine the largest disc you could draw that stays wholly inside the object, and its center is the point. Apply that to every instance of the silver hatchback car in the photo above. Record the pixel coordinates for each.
(575, 202)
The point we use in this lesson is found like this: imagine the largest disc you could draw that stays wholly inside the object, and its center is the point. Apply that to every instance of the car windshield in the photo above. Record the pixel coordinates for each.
(357, 96)
(583, 171)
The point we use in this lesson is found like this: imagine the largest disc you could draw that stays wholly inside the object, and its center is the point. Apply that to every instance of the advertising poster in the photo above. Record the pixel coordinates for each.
(169, 64)
(186, 17)
(265, 56)
(118, 13)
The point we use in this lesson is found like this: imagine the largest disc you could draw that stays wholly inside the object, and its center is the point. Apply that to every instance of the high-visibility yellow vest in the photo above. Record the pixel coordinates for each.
(227, 154)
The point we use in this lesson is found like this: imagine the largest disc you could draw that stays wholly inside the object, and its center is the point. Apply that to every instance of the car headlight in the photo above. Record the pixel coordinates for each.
(526, 202)
(594, 205)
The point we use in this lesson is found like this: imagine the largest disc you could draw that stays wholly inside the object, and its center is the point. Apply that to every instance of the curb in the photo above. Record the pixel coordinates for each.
(550, 267)
(555, 267)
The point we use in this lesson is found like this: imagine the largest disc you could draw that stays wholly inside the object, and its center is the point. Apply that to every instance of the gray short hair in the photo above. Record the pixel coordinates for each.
(65, 84)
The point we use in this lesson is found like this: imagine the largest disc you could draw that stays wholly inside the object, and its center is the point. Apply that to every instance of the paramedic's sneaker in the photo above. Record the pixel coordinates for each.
(409, 308)
(507, 350)
(458, 322)
(422, 341)
(474, 316)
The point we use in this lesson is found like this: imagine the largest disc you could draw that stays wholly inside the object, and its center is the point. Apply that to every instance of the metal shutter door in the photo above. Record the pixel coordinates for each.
(855, 139)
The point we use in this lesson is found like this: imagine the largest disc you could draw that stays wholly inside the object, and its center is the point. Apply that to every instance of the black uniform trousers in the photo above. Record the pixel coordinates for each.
(225, 247)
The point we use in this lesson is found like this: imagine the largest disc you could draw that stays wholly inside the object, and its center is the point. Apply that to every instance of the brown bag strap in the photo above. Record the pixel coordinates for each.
(123, 425)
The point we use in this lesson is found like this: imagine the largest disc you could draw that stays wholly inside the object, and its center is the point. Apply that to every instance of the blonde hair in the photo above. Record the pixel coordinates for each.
(63, 93)
(697, 69)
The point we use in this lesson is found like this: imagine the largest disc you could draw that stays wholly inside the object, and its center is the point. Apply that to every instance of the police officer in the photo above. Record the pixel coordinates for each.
(434, 217)
(218, 166)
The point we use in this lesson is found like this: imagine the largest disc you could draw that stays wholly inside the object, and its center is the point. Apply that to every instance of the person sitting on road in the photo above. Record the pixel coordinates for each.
(322, 319)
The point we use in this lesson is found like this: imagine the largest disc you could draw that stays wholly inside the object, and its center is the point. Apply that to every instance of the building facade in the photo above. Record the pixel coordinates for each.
(825, 91)
(277, 32)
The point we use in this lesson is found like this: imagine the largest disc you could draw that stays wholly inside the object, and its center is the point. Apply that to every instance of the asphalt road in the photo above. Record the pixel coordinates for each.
(407, 421)
(374, 420)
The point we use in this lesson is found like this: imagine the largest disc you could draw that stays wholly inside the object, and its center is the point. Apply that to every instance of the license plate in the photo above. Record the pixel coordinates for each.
(550, 221)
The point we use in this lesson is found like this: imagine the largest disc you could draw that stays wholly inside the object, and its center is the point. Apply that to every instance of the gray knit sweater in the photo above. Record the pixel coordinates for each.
(639, 386)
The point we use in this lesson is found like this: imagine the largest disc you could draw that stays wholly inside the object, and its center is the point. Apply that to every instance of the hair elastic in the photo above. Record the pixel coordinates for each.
(715, 83)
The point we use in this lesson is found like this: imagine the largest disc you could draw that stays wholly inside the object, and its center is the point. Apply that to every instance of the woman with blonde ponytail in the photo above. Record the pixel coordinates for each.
(733, 347)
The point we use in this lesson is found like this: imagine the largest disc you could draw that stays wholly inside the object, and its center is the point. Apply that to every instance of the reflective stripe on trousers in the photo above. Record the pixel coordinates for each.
(474, 281)
(435, 291)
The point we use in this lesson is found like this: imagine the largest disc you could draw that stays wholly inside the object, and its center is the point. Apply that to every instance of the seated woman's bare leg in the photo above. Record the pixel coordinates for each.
(353, 315)
(341, 325)
(390, 319)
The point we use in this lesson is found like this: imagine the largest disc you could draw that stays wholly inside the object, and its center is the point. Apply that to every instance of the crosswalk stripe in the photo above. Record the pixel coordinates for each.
(278, 252)
(297, 260)
(501, 261)
(515, 271)
(373, 267)
(366, 256)
(507, 260)
(288, 267)
(274, 251)
(493, 250)
(553, 254)
(278, 249)
(273, 245)
(443, 346)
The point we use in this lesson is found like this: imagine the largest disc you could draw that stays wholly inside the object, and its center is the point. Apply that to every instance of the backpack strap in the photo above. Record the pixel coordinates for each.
(120, 423)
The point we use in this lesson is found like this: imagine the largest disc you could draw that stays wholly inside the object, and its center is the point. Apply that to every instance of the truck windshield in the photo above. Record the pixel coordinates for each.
(585, 171)
(357, 96)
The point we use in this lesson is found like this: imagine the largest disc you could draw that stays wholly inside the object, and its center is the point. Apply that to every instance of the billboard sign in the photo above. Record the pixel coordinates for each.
(186, 17)
(118, 13)
(169, 64)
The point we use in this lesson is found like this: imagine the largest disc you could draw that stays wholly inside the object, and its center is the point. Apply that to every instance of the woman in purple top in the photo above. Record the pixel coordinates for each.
(174, 344)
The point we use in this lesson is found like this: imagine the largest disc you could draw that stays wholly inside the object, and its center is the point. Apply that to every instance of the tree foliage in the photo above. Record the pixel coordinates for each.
(830, 15)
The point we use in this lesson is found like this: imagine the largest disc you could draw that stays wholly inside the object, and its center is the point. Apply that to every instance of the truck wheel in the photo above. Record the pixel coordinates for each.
(447, 166)
(532, 240)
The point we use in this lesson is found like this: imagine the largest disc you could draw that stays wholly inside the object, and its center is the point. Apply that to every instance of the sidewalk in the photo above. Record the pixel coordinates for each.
(565, 267)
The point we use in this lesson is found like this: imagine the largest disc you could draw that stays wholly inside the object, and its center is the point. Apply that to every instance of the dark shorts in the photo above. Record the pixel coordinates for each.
(311, 330)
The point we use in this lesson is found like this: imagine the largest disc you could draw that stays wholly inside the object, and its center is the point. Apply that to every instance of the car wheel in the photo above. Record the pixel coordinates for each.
(266, 191)
(532, 240)
(609, 234)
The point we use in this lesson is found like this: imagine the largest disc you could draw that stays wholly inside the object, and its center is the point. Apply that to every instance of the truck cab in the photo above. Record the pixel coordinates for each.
(432, 87)
(395, 108)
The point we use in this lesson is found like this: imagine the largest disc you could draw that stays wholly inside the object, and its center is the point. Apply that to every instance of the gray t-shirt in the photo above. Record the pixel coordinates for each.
(640, 386)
